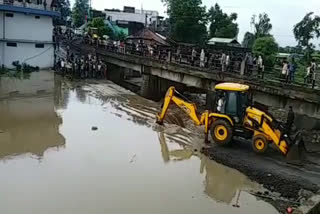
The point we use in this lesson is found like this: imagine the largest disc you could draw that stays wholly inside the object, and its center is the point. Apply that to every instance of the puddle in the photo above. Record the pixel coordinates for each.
(52, 162)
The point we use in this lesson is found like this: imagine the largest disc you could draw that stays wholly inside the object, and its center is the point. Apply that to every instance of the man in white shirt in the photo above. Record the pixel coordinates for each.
(221, 102)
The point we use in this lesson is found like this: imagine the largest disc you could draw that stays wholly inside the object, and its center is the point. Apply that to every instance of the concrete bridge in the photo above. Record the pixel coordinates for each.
(157, 76)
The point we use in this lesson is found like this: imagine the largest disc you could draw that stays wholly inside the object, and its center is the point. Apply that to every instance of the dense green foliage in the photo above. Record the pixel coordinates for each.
(306, 30)
(267, 48)
(248, 40)
(187, 20)
(103, 29)
(221, 24)
(100, 25)
(262, 28)
(80, 12)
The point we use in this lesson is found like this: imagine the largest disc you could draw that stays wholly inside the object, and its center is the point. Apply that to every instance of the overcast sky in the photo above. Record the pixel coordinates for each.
(284, 14)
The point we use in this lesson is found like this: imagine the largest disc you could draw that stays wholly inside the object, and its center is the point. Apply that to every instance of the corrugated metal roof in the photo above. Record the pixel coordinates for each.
(215, 40)
(28, 10)
(147, 34)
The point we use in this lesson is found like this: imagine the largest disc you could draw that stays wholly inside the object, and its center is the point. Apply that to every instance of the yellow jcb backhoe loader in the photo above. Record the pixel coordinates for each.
(233, 115)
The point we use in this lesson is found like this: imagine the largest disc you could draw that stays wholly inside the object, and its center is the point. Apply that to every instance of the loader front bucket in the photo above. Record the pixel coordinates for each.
(297, 151)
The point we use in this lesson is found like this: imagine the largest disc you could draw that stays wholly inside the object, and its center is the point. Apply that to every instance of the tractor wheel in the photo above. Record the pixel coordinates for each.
(221, 132)
(259, 144)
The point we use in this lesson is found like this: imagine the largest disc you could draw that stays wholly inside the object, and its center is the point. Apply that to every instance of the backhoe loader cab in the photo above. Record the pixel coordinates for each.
(236, 99)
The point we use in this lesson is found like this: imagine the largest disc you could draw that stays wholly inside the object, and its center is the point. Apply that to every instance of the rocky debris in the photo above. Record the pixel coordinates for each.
(94, 128)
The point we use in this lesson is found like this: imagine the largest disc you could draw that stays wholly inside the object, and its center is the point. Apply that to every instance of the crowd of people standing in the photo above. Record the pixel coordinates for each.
(81, 66)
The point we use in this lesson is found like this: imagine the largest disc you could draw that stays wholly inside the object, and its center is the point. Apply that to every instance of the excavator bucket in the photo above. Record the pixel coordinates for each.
(297, 151)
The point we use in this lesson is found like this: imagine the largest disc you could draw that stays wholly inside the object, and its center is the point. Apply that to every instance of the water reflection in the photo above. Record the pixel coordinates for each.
(221, 183)
(61, 96)
(120, 166)
(29, 123)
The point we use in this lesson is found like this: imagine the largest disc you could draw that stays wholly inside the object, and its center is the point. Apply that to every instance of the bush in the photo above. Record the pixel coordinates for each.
(267, 48)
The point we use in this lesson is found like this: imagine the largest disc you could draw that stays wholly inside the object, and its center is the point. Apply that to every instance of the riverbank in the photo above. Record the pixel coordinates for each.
(50, 149)
(286, 185)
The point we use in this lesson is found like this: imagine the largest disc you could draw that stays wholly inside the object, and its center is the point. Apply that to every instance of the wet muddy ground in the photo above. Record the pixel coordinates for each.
(52, 161)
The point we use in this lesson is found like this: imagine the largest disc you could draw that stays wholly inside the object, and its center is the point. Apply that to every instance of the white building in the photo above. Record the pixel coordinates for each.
(130, 14)
(26, 31)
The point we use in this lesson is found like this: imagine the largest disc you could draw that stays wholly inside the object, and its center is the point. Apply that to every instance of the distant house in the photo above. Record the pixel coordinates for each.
(148, 37)
(223, 42)
(26, 30)
(148, 18)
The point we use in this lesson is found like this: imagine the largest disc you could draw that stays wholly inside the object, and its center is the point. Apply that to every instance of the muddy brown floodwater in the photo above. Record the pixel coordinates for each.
(53, 162)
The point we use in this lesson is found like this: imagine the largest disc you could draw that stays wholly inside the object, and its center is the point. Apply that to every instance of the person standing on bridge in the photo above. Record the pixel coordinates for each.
(45, 4)
(223, 62)
(202, 58)
(228, 63)
(249, 63)
(313, 68)
(285, 71)
(178, 55)
(193, 56)
(260, 66)
(62, 66)
(292, 70)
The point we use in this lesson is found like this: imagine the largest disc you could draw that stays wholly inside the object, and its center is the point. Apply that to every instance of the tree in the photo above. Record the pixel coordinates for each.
(103, 29)
(80, 12)
(248, 40)
(222, 25)
(267, 48)
(262, 27)
(187, 19)
(306, 30)
(63, 6)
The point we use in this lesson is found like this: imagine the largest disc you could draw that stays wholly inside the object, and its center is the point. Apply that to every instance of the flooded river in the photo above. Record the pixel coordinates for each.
(51, 161)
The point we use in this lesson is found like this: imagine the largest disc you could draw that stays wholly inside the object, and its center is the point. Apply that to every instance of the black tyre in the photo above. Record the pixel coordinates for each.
(221, 132)
(259, 144)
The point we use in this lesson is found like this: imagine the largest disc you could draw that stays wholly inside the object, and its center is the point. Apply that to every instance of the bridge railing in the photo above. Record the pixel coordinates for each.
(163, 56)
(212, 62)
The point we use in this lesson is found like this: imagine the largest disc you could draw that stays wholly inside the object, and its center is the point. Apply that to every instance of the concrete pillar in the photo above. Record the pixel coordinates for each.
(145, 87)
(153, 87)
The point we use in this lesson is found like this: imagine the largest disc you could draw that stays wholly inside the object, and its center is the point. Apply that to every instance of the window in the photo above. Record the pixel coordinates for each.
(39, 45)
(11, 44)
(37, 17)
(9, 14)
(231, 105)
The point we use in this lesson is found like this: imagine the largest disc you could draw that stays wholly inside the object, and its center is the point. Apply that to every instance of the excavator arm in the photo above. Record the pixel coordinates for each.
(188, 107)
